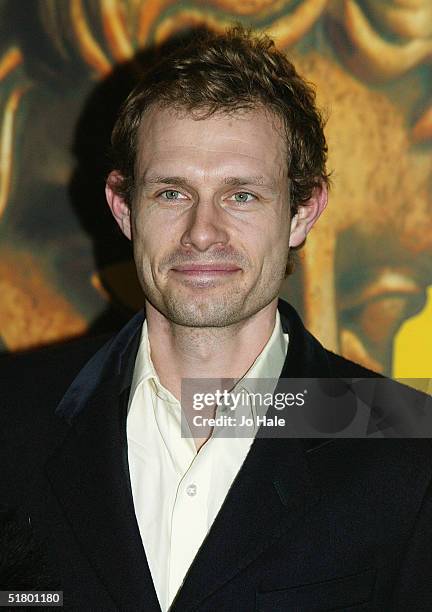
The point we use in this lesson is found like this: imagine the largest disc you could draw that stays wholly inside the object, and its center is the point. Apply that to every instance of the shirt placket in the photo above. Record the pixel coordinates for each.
(189, 523)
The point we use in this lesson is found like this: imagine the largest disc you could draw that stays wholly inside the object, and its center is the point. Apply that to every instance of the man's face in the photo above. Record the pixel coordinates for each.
(210, 220)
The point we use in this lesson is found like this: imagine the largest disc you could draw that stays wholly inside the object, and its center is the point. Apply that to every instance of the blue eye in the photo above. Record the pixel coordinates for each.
(171, 194)
(243, 196)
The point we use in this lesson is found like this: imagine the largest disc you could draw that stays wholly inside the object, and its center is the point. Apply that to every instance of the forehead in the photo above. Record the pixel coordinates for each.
(251, 140)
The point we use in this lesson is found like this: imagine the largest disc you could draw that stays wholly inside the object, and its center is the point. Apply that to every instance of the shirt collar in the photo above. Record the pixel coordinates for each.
(270, 361)
(145, 370)
(267, 365)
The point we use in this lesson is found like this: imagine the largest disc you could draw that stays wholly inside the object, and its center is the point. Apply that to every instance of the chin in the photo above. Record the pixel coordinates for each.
(204, 312)
(199, 318)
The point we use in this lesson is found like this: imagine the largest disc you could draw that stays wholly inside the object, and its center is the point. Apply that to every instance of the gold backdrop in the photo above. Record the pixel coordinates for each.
(362, 281)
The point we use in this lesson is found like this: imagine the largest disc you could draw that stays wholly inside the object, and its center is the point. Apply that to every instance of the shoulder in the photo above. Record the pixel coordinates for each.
(394, 455)
(40, 377)
(345, 368)
(31, 386)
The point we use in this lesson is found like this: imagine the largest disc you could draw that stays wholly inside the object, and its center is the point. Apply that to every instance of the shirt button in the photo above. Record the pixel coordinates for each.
(191, 490)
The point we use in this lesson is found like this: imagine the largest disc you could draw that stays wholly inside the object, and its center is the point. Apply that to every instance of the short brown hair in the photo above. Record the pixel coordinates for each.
(226, 72)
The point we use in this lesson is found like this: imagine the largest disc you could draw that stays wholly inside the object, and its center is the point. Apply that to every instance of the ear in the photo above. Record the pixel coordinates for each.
(307, 214)
(117, 204)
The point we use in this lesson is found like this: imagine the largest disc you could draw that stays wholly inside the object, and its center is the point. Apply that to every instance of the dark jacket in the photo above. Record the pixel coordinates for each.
(308, 524)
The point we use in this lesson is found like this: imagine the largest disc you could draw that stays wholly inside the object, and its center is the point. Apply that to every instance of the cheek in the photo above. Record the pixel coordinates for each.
(151, 247)
(276, 238)
(277, 250)
(265, 241)
(155, 230)
(145, 235)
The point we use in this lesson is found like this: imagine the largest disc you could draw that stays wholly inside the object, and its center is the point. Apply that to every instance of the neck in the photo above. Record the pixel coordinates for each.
(206, 352)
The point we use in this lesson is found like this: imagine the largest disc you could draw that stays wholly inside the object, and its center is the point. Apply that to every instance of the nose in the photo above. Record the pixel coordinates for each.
(206, 226)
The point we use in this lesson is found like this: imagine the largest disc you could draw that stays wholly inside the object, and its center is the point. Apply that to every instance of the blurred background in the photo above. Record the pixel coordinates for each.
(363, 283)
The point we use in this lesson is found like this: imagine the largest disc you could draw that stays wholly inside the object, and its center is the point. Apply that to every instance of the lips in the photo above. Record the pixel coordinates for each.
(206, 268)
(204, 275)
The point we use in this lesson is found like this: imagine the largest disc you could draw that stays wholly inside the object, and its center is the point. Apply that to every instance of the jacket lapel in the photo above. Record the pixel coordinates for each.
(90, 478)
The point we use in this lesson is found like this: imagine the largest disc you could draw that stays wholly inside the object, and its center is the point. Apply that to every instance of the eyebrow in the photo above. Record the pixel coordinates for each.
(227, 180)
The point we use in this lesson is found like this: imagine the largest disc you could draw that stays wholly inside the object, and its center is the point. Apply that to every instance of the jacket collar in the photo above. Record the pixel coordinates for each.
(114, 360)
(89, 475)
(306, 357)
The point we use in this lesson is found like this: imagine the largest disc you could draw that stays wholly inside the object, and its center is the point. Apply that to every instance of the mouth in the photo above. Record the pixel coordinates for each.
(206, 270)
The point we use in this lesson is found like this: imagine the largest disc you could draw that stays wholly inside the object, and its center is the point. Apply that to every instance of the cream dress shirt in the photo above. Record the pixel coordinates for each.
(177, 491)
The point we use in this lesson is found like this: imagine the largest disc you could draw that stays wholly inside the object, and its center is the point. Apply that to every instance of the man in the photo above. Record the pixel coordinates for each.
(219, 170)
